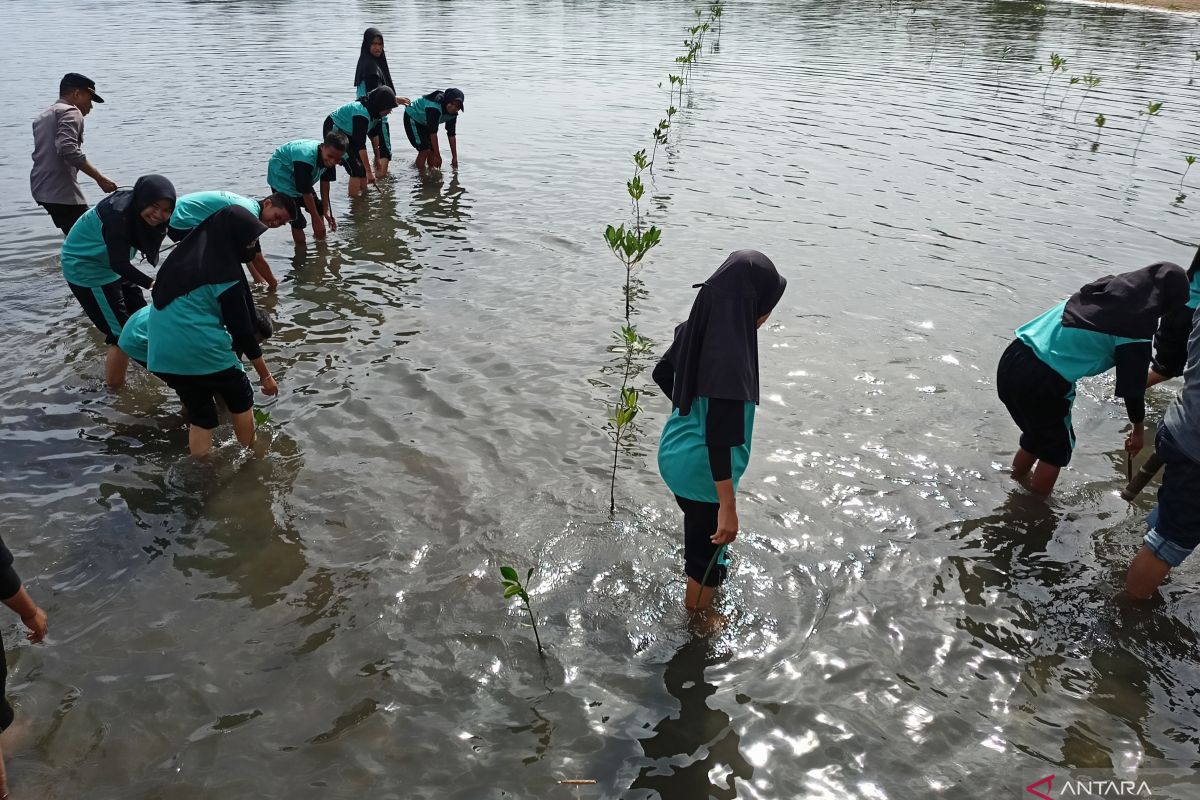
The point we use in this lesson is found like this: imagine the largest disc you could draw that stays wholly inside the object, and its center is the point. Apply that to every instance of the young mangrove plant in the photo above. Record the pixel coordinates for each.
(1152, 110)
(1100, 120)
(1192, 71)
(1090, 81)
(514, 588)
(1190, 160)
(1057, 63)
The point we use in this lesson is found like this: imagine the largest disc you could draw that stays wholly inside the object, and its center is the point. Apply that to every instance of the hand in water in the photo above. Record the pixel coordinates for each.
(37, 626)
(269, 386)
(1134, 442)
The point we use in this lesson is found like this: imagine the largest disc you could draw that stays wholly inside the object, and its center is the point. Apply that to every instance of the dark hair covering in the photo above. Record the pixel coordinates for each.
(371, 69)
(715, 352)
(121, 214)
(1128, 305)
(379, 100)
(212, 253)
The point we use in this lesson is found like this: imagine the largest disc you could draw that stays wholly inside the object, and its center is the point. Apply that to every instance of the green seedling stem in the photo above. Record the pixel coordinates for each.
(513, 587)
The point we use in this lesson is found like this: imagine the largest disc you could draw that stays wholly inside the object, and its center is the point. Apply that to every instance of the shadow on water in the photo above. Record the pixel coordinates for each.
(697, 742)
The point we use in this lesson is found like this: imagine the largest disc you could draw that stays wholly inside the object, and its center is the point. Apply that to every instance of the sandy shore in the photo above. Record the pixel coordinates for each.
(1162, 5)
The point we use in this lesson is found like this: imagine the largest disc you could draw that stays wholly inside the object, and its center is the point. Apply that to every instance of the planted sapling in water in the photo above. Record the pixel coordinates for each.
(1057, 63)
(1190, 160)
(514, 588)
(1099, 127)
(1152, 110)
(1090, 81)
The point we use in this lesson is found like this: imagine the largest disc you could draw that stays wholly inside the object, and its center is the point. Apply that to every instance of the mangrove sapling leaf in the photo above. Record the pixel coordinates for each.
(1152, 110)
(1057, 63)
(640, 161)
(261, 417)
(1099, 127)
(514, 588)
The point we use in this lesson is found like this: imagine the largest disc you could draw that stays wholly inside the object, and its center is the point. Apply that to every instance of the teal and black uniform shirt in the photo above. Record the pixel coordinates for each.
(1076, 353)
(88, 258)
(355, 121)
(192, 209)
(134, 337)
(691, 447)
(189, 337)
(427, 114)
(295, 168)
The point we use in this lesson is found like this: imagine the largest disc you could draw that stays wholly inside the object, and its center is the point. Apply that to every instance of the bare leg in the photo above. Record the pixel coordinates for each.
(1153, 377)
(698, 598)
(243, 427)
(422, 159)
(1023, 461)
(381, 167)
(116, 364)
(199, 440)
(1146, 573)
(356, 186)
(3, 778)
(1043, 480)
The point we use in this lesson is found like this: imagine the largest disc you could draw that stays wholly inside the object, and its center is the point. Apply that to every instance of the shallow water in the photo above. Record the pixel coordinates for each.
(325, 617)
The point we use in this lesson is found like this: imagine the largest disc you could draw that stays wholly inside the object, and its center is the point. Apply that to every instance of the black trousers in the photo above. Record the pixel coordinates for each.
(699, 524)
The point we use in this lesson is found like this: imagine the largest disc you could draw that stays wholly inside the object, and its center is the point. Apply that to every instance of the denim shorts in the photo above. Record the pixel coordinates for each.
(1175, 521)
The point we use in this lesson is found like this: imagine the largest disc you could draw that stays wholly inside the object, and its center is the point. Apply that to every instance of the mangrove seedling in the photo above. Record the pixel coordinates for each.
(1192, 71)
(1152, 110)
(261, 417)
(1090, 81)
(1057, 63)
(1100, 120)
(625, 410)
(1190, 160)
(514, 588)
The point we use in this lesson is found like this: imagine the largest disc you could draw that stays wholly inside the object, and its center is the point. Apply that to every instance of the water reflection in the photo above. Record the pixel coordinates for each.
(695, 746)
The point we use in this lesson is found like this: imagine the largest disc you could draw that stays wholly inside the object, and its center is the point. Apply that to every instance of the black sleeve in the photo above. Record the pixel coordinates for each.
(724, 428)
(358, 136)
(432, 117)
(452, 126)
(1170, 343)
(664, 376)
(303, 175)
(235, 314)
(118, 259)
(10, 582)
(1133, 360)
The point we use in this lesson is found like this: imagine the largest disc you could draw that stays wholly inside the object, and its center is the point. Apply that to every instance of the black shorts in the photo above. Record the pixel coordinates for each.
(699, 524)
(1039, 401)
(109, 306)
(300, 221)
(419, 136)
(352, 163)
(6, 711)
(64, 215)
(198, 394)
(384, 134)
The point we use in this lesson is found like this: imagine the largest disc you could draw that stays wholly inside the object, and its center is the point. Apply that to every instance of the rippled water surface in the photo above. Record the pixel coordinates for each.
(324, 618)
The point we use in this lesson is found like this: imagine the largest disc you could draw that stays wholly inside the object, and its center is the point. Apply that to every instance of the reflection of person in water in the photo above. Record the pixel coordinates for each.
(695, 730)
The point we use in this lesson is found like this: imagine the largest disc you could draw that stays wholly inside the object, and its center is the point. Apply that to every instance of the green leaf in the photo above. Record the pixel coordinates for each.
(1154, 108)
(512, 591)
(1190, 160)
(510, 574)
(261, 417)
(529, 575)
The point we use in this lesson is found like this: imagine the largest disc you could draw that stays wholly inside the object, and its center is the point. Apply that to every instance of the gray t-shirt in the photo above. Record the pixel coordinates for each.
(58, 155)
(1183, 415)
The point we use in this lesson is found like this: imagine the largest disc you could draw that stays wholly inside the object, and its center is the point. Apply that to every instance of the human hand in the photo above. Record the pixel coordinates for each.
(332, 222)
(272, 284)
(269, 386)
(106, 186)
(318, 228)
(1135, 441)
(36, 622)
(403, 101)
(727, 525)
(435, 160)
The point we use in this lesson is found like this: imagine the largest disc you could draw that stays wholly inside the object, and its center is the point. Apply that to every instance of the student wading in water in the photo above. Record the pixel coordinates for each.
(97, 253)
(1171, 338)
(13, 595)
(710, 373)
(421, 120)
(355, 121)
(1108, 323)
(273, 211)
(296, 167)
(371, 73)
(202, 309)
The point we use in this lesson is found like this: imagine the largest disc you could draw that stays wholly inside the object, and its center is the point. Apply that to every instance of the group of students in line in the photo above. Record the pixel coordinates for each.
(194, 338)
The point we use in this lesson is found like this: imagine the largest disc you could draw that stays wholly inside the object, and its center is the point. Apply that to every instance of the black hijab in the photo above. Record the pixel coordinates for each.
(212, 253)
(121, 214)
(715, 352)
(1128, 305)
(379, 100)
(369, 67)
